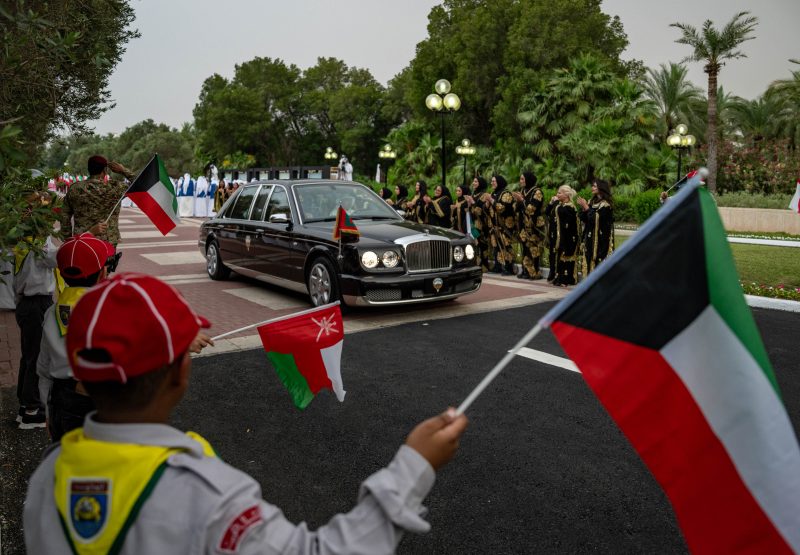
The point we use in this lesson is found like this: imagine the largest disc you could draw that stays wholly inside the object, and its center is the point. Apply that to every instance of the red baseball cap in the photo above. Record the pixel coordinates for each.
(83, 255)
(127, 326)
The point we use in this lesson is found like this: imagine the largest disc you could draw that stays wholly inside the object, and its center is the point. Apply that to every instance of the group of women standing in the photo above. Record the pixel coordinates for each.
(499, 219)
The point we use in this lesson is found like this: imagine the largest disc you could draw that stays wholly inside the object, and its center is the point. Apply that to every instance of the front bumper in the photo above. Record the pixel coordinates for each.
(378, 290)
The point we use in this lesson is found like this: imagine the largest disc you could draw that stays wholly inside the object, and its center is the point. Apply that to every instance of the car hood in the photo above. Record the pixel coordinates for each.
(389, 232)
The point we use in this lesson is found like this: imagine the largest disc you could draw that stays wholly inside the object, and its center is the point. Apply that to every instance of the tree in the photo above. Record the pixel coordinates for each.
(673, 95)
(786, 93)
(714, 47)
(757, 119)
(56, 62)
(495, 52)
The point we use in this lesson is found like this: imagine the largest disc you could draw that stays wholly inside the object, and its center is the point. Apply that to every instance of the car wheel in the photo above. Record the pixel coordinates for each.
(322, 282)
(214, 266)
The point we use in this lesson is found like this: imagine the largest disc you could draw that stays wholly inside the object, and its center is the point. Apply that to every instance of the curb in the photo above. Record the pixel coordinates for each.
(773, 304)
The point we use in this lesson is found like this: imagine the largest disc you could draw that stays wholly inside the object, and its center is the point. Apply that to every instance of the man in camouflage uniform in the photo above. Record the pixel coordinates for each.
(88, 203)
(531, 225)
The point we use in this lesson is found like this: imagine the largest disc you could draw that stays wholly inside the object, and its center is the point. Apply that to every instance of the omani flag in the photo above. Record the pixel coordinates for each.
(306, 350)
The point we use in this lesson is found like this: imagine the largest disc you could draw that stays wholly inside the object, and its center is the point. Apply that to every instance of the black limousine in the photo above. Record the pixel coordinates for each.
(280, 232)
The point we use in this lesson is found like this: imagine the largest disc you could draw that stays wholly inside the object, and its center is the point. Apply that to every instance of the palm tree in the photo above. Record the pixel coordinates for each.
(714, 47)
(756, 119)
(673, 94)
(786, 93)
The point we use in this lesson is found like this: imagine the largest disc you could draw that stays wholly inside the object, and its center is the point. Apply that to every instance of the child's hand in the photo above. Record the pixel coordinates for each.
(436, 439)
(200, 342)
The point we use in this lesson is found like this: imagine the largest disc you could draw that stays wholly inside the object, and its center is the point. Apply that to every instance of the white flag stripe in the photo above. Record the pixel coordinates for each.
(164, 198)
(745, 413)
(332, 358)
(547, 358)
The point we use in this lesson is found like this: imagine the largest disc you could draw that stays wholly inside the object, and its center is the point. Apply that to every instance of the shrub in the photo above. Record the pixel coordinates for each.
(742, 199)
(644, 204)
(623, 209)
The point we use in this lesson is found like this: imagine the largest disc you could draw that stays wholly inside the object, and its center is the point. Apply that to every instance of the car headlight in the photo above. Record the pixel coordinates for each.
(458, 253)
(390, 259)
(470, 252)
(369, 259)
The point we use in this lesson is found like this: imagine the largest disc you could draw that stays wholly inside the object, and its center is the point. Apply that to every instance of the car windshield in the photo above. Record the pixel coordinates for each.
(318, 202)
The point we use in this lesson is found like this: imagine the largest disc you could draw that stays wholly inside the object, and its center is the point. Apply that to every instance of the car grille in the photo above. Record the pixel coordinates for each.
(428, 256)
(383, 295)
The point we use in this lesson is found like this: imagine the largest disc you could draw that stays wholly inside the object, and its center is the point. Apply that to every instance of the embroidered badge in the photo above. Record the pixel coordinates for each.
(63, 314)
(238, 528)
(88, 507)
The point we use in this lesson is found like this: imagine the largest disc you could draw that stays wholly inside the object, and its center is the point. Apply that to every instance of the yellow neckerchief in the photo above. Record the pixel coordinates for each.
(100, 488)
(20, 254)
(66, 301)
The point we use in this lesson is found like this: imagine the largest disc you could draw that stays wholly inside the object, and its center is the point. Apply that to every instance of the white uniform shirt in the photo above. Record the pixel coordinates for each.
(35, 276)
(205, 506)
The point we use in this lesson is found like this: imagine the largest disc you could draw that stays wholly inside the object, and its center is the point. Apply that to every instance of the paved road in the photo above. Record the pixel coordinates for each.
(542, 467)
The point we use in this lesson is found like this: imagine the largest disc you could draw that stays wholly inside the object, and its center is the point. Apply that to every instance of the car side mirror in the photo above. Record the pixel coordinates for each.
(279, 219)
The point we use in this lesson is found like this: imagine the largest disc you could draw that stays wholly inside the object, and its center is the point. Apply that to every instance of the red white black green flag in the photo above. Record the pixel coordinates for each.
(306, 350)
(662, 334)
(344, 225)
(153, 193)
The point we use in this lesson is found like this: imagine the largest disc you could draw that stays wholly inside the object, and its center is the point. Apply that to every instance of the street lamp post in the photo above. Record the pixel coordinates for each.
(443, 101)
(386, 153)
(331, 155)
(680, 141)
(465, 149)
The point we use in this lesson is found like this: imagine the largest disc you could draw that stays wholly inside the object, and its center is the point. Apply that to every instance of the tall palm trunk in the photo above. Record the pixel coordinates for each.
(711, 129)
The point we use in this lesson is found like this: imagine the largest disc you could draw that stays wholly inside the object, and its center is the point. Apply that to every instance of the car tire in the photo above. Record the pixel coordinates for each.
(322, 282)
(214, 266)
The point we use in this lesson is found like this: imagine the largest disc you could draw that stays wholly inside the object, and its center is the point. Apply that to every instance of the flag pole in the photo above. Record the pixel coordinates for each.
(278, 319)
(498, 368)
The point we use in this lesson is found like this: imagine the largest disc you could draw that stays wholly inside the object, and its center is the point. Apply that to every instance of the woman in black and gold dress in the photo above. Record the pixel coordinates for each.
(530, 225)
(564, 237)
(401, 198)
(439, 207)
(480, 221)
(459, 211)
(598, 224)
(504, 226)
(416, 210)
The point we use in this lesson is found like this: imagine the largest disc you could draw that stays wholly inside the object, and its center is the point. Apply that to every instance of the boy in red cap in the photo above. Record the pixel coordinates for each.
(82, 263)
(129, 483)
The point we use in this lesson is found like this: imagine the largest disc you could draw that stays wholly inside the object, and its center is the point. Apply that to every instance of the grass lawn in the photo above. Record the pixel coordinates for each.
(761, 264)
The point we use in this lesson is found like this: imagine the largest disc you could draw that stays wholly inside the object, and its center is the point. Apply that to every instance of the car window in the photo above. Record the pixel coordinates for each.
(242, 206)
(260, 203)
(279, 203)
(319, 202)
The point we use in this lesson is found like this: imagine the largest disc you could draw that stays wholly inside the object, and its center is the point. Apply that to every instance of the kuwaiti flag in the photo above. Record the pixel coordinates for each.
(794, 205)
(153, 193)
(344, 225)
(306, 350)
(663, 336)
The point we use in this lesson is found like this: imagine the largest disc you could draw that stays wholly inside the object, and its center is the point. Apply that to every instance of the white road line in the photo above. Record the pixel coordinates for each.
(172, 258)
(181, 277)
(768, 242)
(263, 297)
(155, 244)
(547, 358)
(144, 234)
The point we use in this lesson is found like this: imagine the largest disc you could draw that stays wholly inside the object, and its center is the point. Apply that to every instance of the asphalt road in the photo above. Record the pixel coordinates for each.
(542, 468)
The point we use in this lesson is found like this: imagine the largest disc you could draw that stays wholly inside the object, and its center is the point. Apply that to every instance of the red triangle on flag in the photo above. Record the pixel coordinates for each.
(344, 225)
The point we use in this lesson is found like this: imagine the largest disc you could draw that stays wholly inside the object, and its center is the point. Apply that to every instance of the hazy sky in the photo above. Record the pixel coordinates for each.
(185, 41)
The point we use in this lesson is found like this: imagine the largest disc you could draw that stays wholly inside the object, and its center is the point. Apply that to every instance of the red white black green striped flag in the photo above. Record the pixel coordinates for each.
(344, 225)
(663, 336)
(306, 350)
(153, 193)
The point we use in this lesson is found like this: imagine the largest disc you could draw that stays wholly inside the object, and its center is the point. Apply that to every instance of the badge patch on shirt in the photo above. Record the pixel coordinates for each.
(88, 507)
(238, 528)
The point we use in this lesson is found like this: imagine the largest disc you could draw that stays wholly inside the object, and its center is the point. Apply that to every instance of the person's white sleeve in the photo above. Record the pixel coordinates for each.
(390, 501)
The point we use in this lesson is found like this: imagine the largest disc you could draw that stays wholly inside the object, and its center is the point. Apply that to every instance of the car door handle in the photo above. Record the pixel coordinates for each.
(260, 230)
